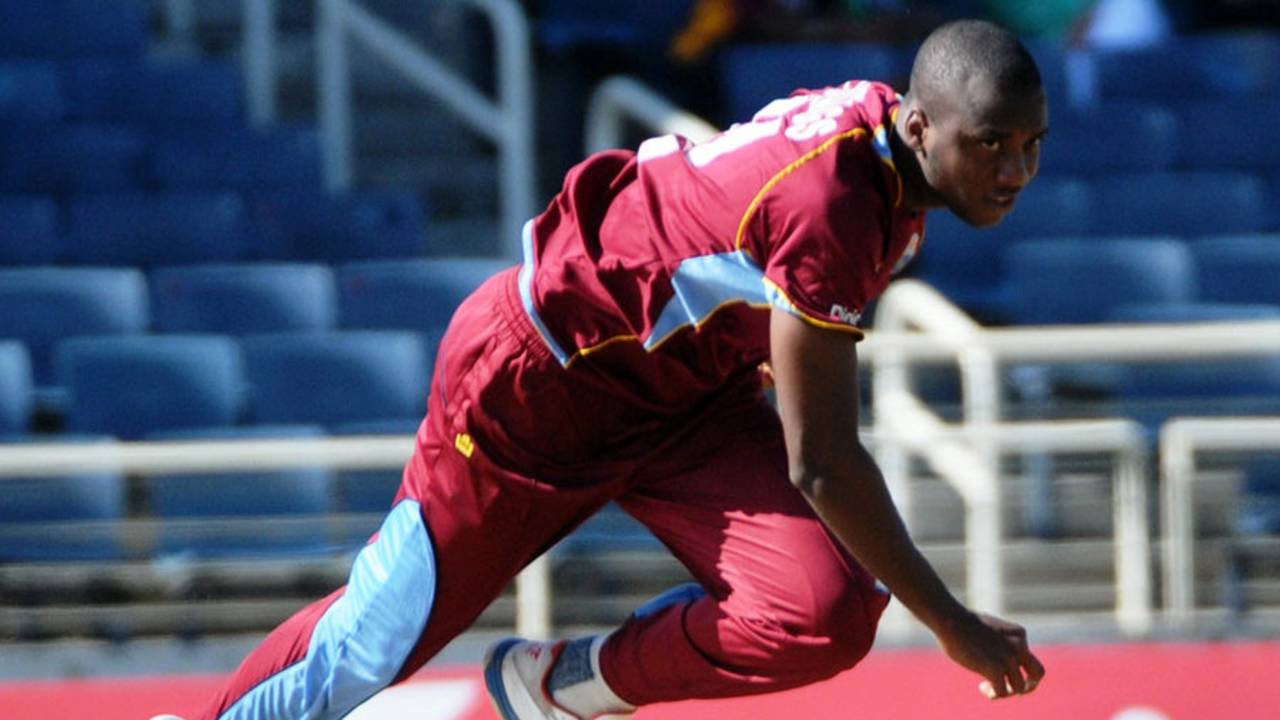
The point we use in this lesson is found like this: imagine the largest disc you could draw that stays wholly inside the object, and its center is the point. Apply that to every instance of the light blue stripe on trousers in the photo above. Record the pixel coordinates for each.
(364, 638)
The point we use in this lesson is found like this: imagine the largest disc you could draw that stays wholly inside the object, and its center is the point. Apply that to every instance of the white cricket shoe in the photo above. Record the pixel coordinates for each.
(166, 717)
(517, 674)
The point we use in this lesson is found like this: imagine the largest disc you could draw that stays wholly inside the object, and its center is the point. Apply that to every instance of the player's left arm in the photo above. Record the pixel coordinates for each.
(816, 370)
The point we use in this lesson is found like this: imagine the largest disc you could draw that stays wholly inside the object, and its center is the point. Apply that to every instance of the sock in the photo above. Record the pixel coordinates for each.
(577, 685)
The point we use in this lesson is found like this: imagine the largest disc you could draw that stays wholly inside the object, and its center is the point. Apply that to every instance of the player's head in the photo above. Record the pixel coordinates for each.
(974, 116)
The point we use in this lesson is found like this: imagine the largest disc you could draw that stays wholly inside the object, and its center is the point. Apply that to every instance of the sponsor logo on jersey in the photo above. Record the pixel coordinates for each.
(850, 317)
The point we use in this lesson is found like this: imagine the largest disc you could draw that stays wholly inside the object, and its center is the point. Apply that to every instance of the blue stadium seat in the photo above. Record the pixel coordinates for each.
(29, 230)
(1240, 64)
(283, 157)
(66, 159)
(132, 386)
(1084, 281)
(1260, 497)
(1116, 137)
(30, 92)
(1153, 392)
(1163, 73)
(15, 387)
(74, 517)
(337, 377)
(243, 298)
(649, 26)
(73, 28)
(753, 75)
(171, 228)
(370, 491)
(315, 225)
(1235, 134)
(239, 514)
(967, 264)
(41, 306)
(1238, 268)
(1180, 203)
(609, 529)
(418, 295)
(163, 96)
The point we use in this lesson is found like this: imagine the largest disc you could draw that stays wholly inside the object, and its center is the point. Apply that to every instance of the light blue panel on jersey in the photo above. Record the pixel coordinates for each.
(526, 295)
(364, 638)
(702, 285)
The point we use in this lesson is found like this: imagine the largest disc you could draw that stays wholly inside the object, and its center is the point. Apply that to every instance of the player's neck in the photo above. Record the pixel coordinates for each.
(917, 195)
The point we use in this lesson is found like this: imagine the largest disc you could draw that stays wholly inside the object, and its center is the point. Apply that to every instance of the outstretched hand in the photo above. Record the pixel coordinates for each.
(997, 650)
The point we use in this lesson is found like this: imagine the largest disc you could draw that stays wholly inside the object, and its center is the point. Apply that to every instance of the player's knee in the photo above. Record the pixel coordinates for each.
(836, 633)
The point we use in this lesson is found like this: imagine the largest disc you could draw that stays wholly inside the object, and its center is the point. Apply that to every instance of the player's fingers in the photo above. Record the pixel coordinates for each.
(1033, 667)
(1013, 672)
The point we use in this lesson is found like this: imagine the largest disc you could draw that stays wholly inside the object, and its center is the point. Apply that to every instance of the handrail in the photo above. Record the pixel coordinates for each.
(508, 122)
(1180, 439)
(621, 98)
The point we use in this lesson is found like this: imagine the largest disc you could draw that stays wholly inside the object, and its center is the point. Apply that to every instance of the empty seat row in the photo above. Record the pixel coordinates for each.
(70, 158)
(203, 227)
(42, 306)
(73, 28)
(1192, 69)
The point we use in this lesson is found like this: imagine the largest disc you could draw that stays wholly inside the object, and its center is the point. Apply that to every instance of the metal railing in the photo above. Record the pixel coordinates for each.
(508, 122)
(1180, 440)
(621, 99)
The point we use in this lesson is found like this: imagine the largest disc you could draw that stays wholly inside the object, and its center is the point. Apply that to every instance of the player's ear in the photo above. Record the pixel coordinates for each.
(916, 126)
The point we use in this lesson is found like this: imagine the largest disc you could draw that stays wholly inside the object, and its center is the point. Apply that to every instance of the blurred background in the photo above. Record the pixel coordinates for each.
(232, 231)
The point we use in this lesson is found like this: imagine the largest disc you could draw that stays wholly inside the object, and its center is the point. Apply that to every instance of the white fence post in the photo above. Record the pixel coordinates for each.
(334, 94)
(259, 59)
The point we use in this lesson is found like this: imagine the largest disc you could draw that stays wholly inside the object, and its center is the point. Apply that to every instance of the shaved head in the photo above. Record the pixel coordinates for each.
(960, 54)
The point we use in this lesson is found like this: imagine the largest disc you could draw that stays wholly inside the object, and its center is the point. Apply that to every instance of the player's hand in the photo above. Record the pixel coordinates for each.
(995, 649)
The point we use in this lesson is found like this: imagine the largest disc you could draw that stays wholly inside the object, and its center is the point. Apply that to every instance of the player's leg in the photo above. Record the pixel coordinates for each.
(785, 605)
(463, 526)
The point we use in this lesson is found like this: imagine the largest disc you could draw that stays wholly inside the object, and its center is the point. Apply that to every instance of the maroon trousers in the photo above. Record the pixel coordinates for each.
(516, 451)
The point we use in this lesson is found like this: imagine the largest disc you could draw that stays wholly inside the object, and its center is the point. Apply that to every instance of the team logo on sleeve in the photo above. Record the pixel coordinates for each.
(845, 315)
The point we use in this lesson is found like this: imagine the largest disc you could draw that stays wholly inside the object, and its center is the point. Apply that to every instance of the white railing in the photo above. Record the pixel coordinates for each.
(944, 334)
(508, 122)
(620, 99)
(1180, 439)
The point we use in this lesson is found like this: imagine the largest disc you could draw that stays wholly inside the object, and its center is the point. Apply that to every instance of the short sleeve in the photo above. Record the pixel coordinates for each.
(823, 250)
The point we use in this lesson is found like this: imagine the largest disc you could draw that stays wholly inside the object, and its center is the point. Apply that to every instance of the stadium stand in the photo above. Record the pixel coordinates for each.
(241, 299)
(279, 512)
(1086, 280)
(162, 96)
(1189, 203)
(308, 224)
(1238, 268)
(147, 229)
(66, 518)
(30, 92)
(279, 157)
(63, 29)
(65, 159)
(15, 388)
(134, 386)
(29, 232)
(418, 295)
(337, 377)
(41, 306)
(1118, 138)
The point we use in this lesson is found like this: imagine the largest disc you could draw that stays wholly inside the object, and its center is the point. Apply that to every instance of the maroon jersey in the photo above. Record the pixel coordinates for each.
(657, 269)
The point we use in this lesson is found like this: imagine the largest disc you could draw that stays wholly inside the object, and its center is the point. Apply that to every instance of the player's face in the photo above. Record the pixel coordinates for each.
(983, 149)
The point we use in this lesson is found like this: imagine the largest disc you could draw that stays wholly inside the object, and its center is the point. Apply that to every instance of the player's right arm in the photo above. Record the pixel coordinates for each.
(815, 371)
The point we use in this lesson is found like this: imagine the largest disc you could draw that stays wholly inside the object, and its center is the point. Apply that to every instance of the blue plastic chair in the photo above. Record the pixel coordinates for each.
(1260, 497)
(370, 491)
(1084, 281)
(1118, 137)
(132, 386)
(1164, 73)
(70, 159)
(15, 388)
(41, 306)
(30, 92)
(315, 225)
(1238, 268)
(29, 230)
(282, 157)
(419, 295)
(754, 75)
(1229, 135)
(57, 518)
(1180, 203)
(190, 506)
(1154, 392)
(73, 28)
(163, 96)
(244, 298)
(1236, 64)
(967, 264)
(145, 230)
(337, 378)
